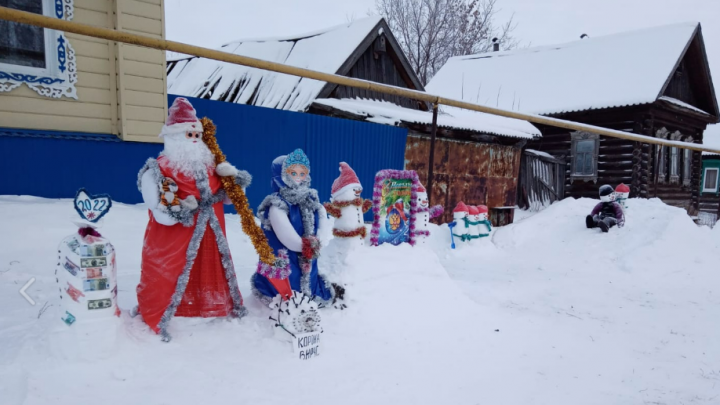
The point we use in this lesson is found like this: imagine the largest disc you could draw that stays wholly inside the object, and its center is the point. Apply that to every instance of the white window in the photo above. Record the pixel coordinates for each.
(42, 59)
(710, 183)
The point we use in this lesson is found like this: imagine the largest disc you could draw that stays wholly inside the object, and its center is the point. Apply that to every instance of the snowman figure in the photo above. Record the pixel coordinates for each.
(484, 226)
(461, 220)
(622, 192)
(424, 213)
(348, 207)
(473, 221)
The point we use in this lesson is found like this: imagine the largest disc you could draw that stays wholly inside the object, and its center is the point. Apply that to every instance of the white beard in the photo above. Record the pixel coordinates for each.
(187, 157)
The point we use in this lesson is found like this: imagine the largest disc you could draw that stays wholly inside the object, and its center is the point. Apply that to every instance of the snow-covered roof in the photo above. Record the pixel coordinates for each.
(623, 69)
(384, 112)
(323, 51)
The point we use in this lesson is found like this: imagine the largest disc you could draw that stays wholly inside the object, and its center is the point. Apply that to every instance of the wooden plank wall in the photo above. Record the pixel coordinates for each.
(95, 110)
(142, 83)
(628, 162)
(378, 64)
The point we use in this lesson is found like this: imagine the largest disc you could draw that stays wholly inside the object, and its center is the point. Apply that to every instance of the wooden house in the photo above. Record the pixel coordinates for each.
(477, 156)
(654, 82)
(710, 180)
(52, 81)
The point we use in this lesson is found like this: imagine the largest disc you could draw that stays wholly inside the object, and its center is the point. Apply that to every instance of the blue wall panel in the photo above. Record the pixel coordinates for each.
(251, 137)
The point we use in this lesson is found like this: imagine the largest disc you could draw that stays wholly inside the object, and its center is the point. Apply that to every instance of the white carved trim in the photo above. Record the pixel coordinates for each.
(59, 77)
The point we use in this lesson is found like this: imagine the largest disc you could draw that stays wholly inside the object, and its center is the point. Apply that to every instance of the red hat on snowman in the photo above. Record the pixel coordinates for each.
(421, 189)
(347, 180)
(622, 188)
(461, 207)
(181, 119)
(473, 210)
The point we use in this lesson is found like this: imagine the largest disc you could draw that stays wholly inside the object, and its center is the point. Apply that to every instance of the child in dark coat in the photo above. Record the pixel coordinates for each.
(607, 213)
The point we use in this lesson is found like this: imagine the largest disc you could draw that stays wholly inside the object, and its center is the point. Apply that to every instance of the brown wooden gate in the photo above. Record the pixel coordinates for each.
(542, 180)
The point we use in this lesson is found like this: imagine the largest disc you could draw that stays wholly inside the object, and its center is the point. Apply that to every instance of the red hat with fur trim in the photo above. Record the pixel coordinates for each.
(347, 179)
(181, 118)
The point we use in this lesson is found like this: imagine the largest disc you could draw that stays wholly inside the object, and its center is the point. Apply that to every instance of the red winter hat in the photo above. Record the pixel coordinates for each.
(483, 209)
(347, 179)
(421, 189)
(181, 118)
(461, 207)
(622, 188)
(473, 210)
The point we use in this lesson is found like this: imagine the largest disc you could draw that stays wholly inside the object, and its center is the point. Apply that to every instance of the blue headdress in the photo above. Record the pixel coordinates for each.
(298, 157)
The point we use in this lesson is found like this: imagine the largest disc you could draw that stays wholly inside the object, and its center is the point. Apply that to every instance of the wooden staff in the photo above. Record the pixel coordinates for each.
(238, 198)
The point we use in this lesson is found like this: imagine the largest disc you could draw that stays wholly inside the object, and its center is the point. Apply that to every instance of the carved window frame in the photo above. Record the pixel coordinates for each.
(59, 75)
(661, 155)
(687, 164)
(674, 165)
(576, 137)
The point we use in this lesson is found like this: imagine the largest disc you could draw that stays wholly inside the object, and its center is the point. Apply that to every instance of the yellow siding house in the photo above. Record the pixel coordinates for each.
(65, 82)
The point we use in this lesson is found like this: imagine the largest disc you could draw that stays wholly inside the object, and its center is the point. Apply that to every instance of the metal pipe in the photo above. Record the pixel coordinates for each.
(162, 44)
(431, 159)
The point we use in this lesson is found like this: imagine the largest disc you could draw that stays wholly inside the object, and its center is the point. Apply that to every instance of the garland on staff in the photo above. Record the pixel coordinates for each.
(238, 198)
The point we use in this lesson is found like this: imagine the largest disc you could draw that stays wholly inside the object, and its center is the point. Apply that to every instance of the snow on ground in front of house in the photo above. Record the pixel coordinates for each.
(545, 312)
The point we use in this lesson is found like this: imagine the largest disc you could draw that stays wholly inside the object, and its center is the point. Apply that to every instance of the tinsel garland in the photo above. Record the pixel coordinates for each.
(238, 198)
(281, 269)
(361, 231)
(205, 217)
(380, 177)
(333, 208)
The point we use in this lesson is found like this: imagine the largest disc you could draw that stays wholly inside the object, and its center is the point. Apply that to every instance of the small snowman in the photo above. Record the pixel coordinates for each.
(348, 207)
(461, 221)
(622, 192)
(484, 226)
(424, 213)
(473, 222)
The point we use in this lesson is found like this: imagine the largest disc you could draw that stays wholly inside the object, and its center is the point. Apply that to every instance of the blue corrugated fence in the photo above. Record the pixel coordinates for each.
(55, 164)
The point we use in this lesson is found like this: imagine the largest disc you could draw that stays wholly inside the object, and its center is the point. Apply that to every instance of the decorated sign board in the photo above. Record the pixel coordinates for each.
(86, 270)
(298, 316)
(394, 207)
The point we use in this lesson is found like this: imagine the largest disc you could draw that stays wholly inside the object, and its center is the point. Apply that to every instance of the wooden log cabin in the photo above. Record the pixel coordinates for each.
(477, 156)
(654, 82)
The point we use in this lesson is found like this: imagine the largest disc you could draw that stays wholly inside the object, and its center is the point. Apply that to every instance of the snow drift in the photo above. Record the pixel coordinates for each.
(546, 312)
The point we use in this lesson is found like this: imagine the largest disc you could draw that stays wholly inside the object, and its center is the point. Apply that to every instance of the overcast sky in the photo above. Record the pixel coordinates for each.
(211, 23)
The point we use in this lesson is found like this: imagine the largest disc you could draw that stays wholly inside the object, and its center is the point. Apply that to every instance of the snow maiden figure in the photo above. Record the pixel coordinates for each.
(291, 217)
(424, 213)
(186, 265)
(348, 208)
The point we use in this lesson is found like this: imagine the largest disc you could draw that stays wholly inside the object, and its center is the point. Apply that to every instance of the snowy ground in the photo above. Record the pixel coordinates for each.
(546, 312)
